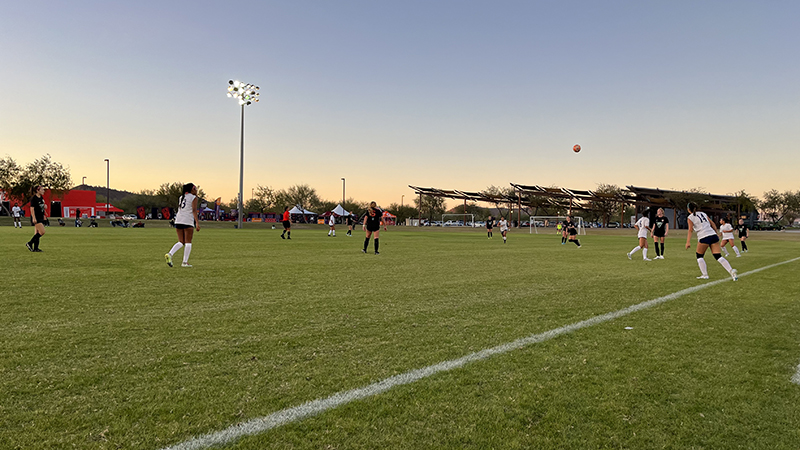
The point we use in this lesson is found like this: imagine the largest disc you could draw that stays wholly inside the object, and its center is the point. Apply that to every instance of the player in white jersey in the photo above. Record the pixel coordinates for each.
(642, 225)
(727, 237)
(186, 222)
(503, 224)
(16, 213)
(332, 224)
(706, 237)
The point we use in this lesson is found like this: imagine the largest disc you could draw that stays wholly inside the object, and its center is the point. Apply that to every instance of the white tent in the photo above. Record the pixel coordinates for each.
(339, 211)
(299, 210)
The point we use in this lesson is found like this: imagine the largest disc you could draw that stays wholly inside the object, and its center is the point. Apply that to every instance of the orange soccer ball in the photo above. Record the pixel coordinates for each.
(576, 148)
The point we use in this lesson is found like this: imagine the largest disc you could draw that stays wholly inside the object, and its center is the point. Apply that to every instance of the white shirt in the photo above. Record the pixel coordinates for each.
(503, 225)
(185, 216)
(644, 225)
(331, 220)
(15, 211)
(727, 231)
(701, 224)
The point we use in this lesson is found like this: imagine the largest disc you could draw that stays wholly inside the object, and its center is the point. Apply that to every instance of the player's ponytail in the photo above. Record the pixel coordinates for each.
(692, 207)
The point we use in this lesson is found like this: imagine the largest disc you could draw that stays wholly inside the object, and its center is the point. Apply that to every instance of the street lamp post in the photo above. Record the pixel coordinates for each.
(246, 94)
(108, 185)
(83, 183)
(401, 200)
(343, 197)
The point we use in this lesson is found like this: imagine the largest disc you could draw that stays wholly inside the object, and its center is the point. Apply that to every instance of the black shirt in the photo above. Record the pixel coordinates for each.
(742, 230)
(37, 203)
(349, 220)
(373, 218)
(660, 225)
(570, 227)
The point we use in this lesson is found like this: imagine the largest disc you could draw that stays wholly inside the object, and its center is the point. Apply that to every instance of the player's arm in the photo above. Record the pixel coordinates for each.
(714, 226)
(689, 234)
(666, 229)
(194, 212)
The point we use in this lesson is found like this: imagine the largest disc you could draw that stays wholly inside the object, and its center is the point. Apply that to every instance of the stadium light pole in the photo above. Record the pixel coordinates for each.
(108, 185)
(246, 94)
(84, 181)
(343, 197)
(401, 200)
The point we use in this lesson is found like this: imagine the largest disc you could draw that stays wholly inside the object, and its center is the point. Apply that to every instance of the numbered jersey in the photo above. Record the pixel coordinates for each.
(644, 225)
(701, 224)
(185, 215)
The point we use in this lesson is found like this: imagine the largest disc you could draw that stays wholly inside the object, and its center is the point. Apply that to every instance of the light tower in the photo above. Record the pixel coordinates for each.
(246, 94)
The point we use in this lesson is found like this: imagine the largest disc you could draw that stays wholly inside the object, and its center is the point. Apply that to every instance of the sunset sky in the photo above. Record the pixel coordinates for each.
(448, 94)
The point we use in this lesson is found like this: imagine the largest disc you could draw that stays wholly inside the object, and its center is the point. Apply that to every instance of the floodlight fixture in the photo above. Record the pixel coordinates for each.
(246, 94)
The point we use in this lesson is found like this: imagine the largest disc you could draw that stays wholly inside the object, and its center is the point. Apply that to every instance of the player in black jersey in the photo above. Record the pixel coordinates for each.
(38, 217)
(373, 220)
(660, 230)
(350, 225)
(572, 231)
(489, 226)
(564, 232)
(744, 233)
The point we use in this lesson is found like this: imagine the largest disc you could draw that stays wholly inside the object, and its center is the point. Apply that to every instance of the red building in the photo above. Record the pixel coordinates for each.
(68, 203)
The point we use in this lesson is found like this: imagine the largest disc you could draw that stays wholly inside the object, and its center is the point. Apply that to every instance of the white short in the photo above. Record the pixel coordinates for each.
(643, 234)
(728, 236)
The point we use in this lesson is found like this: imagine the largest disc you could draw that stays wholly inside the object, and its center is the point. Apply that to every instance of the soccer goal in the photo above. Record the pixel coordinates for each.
(549, 224)
(458, 220)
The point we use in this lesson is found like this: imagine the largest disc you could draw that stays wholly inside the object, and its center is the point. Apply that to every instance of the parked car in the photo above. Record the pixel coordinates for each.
(613, 225)
(130, 217)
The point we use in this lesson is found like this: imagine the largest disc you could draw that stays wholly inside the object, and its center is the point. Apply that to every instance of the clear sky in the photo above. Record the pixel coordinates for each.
(450, 94)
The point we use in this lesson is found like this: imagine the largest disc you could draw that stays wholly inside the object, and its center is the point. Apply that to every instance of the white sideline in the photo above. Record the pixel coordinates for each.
(796, 377)
(314, 407)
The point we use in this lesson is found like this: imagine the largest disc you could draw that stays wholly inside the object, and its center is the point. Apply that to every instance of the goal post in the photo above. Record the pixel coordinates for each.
(549, 224)
(458, 220)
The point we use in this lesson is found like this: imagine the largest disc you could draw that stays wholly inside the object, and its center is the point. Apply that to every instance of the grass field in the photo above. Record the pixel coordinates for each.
(105, 347)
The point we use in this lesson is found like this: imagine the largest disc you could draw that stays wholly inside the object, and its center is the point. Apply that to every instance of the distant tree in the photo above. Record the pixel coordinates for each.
(780, 205)
(402, 212)
(478, 212)
(168, 194)
(682, 198)
(263, 199)
(500, 198)
(18, 182)
(608, 202)
(431, 206)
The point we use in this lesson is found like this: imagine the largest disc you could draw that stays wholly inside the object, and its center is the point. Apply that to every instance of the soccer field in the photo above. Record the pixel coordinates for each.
(106, 347)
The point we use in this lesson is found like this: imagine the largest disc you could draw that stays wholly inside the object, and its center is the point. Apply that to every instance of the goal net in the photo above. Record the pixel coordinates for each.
(458, 220)
(549, 224)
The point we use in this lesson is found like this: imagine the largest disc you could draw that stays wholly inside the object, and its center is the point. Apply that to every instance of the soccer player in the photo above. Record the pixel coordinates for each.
(744, 233)
(643, 224)
(350, 225)
(186, 222)
(16, 213)
(706, 237)
(287, 224)
(572, 231)
(38, 218)
(659, 230)
(332, 224)
(489, 226)
(563, 227)
(503, 224)
(727, 237)
(372, 222)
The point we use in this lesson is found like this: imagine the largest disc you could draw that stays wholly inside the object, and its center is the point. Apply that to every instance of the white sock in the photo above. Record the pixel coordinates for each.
(735, 250)
(703, 268)
(725, 264)
(644, 253)
(186, 252)
(334, 232)
(726, 251)
(175, 248)
(635, 249)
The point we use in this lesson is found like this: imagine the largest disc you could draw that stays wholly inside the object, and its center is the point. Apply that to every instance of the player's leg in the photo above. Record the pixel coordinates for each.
(700, 252)
(375, 240)
(716, 251)
(188, 233)
(366, 241)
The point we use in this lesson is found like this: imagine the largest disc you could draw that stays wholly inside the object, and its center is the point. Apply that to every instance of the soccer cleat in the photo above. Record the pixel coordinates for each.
(37, 250)
(186, 265)
(289, 237)
(363, 250)
(629, 256)
(735, 275)
(283, 237)
(702, 277)
(168, 257)
(30, 247)
(646, 259)
(659, 257)
(377, 253)
(739, 255)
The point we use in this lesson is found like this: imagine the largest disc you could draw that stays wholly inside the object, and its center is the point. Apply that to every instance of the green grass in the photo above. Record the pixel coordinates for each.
(106, 347)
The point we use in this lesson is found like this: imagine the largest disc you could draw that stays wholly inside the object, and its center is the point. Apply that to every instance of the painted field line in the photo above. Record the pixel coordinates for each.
(796, 377)
(315, 407)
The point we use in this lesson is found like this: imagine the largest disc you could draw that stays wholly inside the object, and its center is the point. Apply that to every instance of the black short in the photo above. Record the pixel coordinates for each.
(181, 226)
(658, 235)
(572, 232)
(287, 225)
(489, 227)
(374, 228)
(710, 239)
